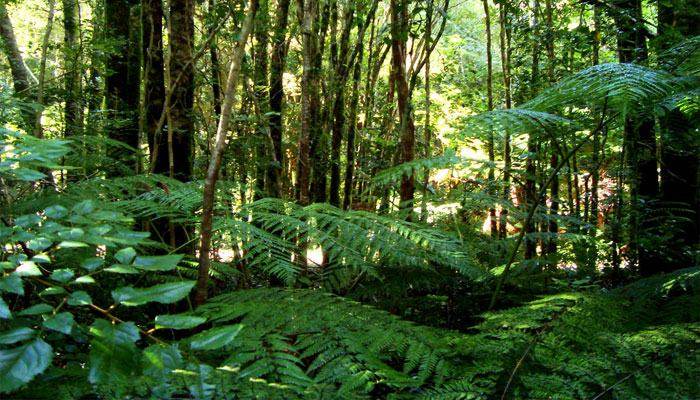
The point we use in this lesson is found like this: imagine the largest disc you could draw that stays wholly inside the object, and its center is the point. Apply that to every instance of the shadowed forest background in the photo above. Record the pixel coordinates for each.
(321, 199)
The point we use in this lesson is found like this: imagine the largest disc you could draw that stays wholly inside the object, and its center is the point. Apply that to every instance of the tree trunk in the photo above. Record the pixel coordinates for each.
(261, 92)
(181, 129)
(399, 31)
(277, 61)
(505, 67)
(640, 140)
(679, 156)
(38, 129)
(154, 76)
(216, 157)
(122, 97)
(350, 153)
(73, 110)
(308, 10)
(21, 76)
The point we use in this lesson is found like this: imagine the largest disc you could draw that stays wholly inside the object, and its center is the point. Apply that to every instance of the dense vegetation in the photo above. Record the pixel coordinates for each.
(349, 199)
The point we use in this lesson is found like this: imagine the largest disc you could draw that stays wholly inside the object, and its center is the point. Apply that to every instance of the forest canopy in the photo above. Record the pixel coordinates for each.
(380, 199)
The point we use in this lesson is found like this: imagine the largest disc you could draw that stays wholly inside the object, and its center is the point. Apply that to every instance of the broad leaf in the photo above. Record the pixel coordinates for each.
(92, 263)
(53, 290)
(125, 256)
(122, 269)
(159, 361)
(17, 335)
(79, 298)
(62, 275)
(28, 268)
(83, 207)
(20, 365)
(40, 308)
(56, 211)
(112, 352)
(12, 283)
(62, 322)
(157, 263)
(24, 174)
(4, 310)
(39, 244)
(165, 293)
(215, 338)
(179, 321)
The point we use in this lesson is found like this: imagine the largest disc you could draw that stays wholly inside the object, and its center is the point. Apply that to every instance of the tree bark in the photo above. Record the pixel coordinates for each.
(399, 35)
(262, 94)
(217, 155)
(181, 129)
(154, 76)
(277, 62)
(21, 76)
(122, 96)
(308, 10)
(73, 110)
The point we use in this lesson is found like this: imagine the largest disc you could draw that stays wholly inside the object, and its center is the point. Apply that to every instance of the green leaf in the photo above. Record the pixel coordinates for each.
(24, 174)
(12, 283)
(180, 321)
(101, 230)
(84, 279)
(125, 256)
(165, 293)
(40, 308)
(28, 268)
(56, 212)
(70, 244)
(159, 361)
(157, 263)
(72, 234)
(199, 382)
(79, 298)
(92, 263)
(4, 310)
(28, 220)
(20, 365)
(62, 275)
(215, 338)
(62, 322)
(83, 207)
(122, 269)
(41, 258)
(39, 244)
(53, 290)
(112, 352)
(17, 335)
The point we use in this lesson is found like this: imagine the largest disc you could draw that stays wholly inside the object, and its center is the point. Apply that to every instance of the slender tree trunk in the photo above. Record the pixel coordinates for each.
(181, 129)
(318, 140)
(350, 153)
(154, 76)
(73, 110)
(505, 67)
(262, 94)
(308, 10)
(217, 155)
(399, 28)
(277, 61)
(679, 156)
(38, 130)
(21, 76)
(530, 165)
(641, 142)
(489, 107)
(426, 126)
